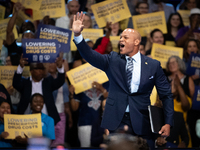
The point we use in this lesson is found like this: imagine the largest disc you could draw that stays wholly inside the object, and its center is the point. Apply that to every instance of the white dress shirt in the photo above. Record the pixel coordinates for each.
(135, 82)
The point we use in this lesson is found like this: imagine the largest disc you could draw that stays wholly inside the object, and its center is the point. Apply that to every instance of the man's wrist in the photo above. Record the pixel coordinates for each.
(77, 34)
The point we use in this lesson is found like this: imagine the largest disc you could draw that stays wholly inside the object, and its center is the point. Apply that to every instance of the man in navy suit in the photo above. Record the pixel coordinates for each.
(128, 100)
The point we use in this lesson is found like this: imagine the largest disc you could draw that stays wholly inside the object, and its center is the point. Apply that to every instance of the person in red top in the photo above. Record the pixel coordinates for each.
(103, 44)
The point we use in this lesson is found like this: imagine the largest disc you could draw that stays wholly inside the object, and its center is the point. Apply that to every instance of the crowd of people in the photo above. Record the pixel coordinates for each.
(74, 119)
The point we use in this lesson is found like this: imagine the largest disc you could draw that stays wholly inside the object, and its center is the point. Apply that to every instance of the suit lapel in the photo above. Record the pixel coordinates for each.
(144, 71)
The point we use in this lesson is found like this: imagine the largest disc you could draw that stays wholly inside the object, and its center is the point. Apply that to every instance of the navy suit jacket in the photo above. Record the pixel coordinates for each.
(119, 97)
(49, 84)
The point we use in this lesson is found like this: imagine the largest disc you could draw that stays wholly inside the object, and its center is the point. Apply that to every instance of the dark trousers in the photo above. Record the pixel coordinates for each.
(127, 121)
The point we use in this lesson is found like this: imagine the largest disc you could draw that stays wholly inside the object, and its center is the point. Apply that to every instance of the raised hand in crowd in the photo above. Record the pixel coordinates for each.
(101, 88)
(176, 82)
(77, 26)
(3, 135)
(108, 29)
(18, 6)
(9, 31)
(45, 20)
(23, 61)
(59, 60)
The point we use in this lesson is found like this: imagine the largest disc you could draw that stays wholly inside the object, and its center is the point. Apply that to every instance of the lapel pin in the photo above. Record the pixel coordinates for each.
(146, 63)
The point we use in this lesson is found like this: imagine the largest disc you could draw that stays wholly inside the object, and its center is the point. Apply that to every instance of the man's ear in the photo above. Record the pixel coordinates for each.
(137, 42)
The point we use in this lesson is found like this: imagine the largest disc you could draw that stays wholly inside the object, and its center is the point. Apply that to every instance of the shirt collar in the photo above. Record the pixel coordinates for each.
(135, 57)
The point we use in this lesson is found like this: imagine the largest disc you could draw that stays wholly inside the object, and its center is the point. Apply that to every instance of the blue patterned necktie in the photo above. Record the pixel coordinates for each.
(129, 72)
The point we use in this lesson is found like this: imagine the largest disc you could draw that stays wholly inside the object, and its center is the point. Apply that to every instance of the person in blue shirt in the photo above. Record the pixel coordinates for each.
(36, 104)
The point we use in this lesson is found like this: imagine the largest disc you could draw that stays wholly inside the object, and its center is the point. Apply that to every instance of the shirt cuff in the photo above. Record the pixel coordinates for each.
(61, 70)
(19, 69)
(78, 39)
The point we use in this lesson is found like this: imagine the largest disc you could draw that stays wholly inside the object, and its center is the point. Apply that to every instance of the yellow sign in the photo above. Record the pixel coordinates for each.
(83, 76)
(21, 17)
(110, 11)
(148, 22)
(21, 125)
(92, 34)
(2, 12)
(115, 41)
(51, 8)
(32, 4)
(185, 16)
(3, 27)
(170, 43)
(7, 73)
(163, 52)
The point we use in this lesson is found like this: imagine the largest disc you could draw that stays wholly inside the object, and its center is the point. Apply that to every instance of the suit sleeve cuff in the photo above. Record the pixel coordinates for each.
(19, 69)
(78, 39)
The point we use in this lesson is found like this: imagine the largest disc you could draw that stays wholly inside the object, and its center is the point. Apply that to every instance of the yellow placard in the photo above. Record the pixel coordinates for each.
(163, 52)
(32, 4)
(2, 12)
(115, 41)
(7, 73)
(18, 125)
(21, 17)
(83, 76)
(153, 96)
(185, 16)
(147, 22)
(3, 27)
(170, 43)
(53, 9)
(110, 11)
(92, 34)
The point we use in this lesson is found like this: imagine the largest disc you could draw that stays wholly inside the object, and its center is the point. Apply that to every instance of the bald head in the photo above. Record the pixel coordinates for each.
(134, 32)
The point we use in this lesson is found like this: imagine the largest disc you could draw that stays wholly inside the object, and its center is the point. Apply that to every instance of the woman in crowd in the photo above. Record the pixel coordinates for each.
(182, 86)
(115, 29)
(191, 46)
(48, 131)
(156, 36)
(174, 23)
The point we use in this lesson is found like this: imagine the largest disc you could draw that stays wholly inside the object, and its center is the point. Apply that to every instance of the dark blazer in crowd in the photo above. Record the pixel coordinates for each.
(49, 84)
